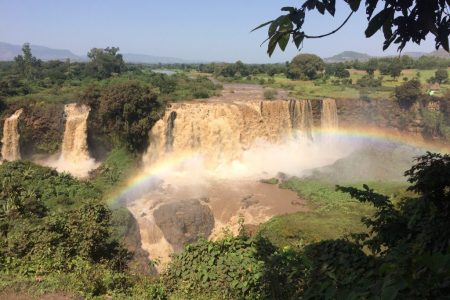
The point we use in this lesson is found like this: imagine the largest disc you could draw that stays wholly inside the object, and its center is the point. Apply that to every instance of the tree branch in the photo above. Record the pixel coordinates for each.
(332, 32)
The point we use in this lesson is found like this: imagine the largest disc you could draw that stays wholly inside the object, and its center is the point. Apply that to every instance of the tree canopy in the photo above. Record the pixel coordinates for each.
(305, 66)
(105, 62)
(402, 22)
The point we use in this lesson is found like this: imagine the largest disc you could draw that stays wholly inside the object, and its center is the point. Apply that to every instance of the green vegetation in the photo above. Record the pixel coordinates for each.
(270, 180)
(56, 81)
(105, 62)
(432, 19)
(408, 93)
(270, 94)
(305, 67)
(334, 215)
(125, 100)
(403, 253)
(56, 228)
(58, 235)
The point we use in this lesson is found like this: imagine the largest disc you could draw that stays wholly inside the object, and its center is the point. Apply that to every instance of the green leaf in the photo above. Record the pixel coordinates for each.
(354, 4)
(273, 43)
(273, 27)
(331, 7)
(298, 38)
(377, 21)
(261, 26)
(289, 9)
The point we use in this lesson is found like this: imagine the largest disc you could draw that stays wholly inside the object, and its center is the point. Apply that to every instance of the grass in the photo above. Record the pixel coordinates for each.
(272, 180)
(319, 89)
(333, 214)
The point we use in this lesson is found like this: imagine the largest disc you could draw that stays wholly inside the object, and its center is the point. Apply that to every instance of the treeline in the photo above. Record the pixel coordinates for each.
(28, 75)
(383, 64)
(125, 100)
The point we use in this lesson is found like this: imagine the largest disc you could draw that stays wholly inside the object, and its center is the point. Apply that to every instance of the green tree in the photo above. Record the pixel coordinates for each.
(441, 76)
(305, 66)
(105, 62)
(127, 111)
(27, 65)
(408, 93)
(395, 68)
(341, 71)
(401, 22)
(371, 66)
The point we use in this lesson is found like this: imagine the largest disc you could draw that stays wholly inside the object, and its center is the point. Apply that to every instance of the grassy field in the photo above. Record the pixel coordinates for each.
(319, 89)
(333, 214)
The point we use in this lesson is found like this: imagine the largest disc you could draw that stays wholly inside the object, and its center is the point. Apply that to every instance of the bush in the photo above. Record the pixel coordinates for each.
(408, 93)
(201, 94)
(235, 268)
(42, 236)
(270, 94)
(441, 76)
(368, 81)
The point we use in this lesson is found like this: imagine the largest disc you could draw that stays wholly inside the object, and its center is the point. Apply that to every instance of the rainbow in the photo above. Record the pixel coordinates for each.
(384, 135)
(148, 178)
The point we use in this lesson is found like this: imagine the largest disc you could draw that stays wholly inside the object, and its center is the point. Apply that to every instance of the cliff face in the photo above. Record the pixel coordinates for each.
(388, 114)
(41, 129)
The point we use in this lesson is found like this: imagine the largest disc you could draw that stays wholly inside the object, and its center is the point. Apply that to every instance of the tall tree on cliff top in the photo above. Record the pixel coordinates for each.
(402, 21)
(26, 64)
(105, 62)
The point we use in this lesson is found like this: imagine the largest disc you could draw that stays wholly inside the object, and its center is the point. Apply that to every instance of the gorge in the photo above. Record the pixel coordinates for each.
(206, 162)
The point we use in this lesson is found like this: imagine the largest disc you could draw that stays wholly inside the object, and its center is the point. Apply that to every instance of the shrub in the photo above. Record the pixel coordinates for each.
(408, 93)
(270, 94)
(368, 81)
(235, 268)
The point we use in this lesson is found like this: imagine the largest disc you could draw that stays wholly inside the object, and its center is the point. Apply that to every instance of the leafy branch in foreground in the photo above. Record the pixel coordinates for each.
(401, 22)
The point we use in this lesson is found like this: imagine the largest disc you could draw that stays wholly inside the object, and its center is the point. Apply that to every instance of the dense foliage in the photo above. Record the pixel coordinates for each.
(400, 21)
(125, 100)
(305, 66)
(105, 62)
(408, 93)
(54, 224)
(128, 110)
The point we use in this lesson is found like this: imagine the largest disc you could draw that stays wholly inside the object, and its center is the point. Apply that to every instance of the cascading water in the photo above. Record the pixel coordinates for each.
(222, 131)
(301, 116)
(212, 156)
(329, 116)
(10, 140)
(75, 157)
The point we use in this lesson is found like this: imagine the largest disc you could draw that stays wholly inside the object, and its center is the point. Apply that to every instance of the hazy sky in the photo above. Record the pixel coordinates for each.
(195, 30)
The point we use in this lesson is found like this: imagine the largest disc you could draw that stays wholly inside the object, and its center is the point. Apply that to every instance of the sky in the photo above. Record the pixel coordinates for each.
(197, 30)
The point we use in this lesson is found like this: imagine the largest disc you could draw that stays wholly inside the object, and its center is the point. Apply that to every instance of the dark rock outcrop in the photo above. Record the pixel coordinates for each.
(184, 221)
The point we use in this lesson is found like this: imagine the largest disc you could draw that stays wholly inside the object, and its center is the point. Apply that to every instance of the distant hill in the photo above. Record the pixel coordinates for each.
(150, 59)
(352, 55)
(415, 54)
(9, 51)
(347, 56)
(440, 53)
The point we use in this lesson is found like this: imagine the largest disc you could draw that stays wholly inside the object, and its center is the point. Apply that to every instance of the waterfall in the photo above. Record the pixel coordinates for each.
(223, 130)
(10, 140)
(75, 157)
(329, 116)
(301, 116)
